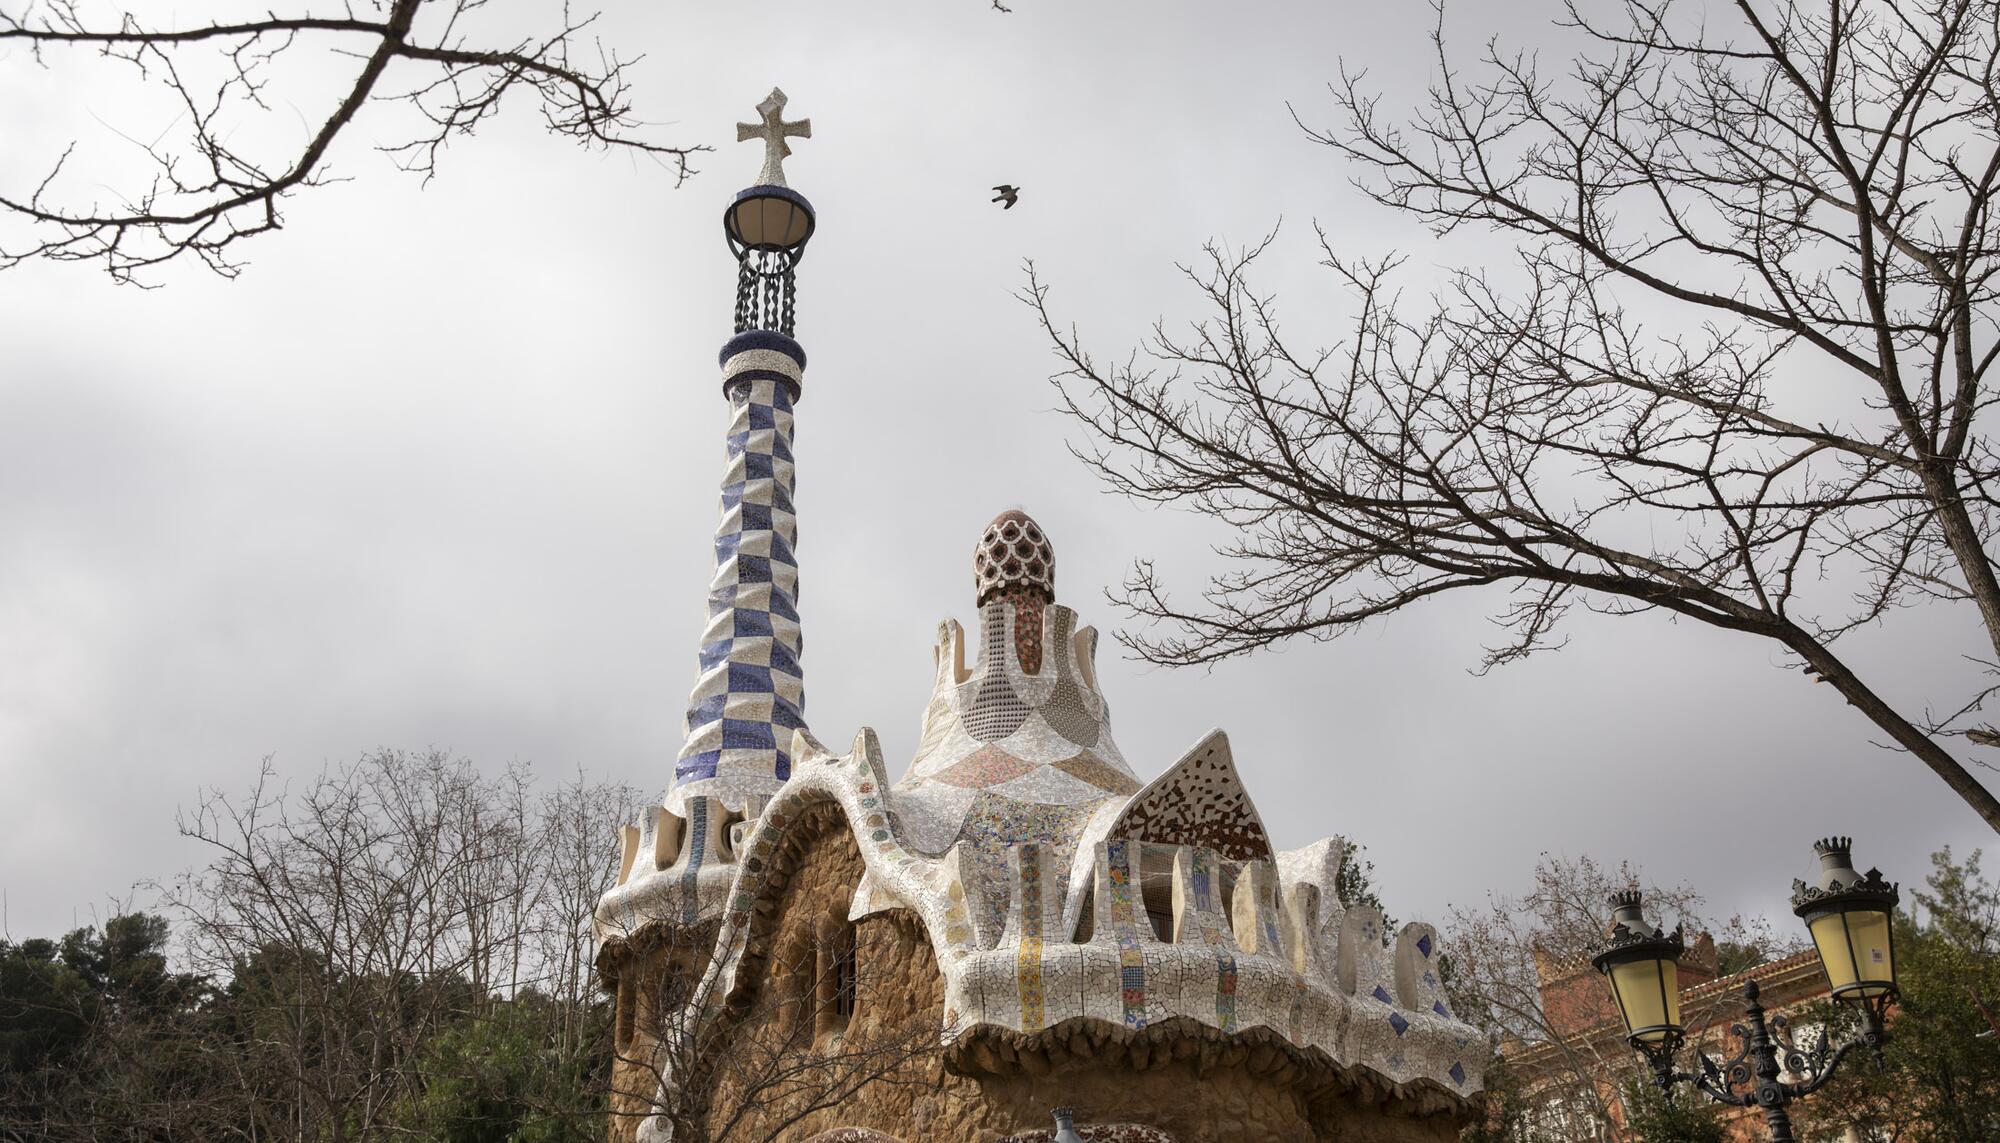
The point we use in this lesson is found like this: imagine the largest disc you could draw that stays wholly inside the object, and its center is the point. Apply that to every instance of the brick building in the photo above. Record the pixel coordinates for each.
(1577, 1001)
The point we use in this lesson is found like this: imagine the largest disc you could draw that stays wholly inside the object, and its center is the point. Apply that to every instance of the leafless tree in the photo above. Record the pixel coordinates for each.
(1737, 372)
(359, 916)
(221, 171)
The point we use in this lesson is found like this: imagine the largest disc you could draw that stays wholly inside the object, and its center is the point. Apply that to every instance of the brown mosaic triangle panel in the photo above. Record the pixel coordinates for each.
(1202, 803)
(1090, 768)
(986, 766)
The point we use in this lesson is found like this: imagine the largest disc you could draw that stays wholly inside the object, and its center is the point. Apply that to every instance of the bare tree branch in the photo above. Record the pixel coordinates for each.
(203, 195)
(1818, 195)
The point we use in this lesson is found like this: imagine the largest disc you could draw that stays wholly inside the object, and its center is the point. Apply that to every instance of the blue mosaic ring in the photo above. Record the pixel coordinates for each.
(760, 354)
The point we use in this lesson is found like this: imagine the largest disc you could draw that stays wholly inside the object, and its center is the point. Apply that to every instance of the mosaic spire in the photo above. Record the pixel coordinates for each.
(750, 695)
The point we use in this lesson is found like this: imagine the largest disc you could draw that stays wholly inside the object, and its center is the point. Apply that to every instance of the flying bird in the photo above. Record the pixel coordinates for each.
(1008, 194)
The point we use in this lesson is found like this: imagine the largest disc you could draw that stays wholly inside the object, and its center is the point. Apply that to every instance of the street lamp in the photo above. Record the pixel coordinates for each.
(1851, 921)
(1850, 918)
(1642, 968)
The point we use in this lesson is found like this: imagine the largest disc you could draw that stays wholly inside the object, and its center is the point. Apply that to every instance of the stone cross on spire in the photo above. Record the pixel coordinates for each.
(773, 130)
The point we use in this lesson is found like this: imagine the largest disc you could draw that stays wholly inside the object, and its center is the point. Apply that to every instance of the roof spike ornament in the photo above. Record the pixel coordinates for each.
(749, 698)
(1014, 553)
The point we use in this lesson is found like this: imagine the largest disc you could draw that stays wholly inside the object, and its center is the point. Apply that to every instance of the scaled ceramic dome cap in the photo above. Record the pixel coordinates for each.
(1014, 553)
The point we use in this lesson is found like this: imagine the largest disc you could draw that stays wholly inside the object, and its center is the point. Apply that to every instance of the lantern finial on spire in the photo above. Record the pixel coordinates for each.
(768, 225)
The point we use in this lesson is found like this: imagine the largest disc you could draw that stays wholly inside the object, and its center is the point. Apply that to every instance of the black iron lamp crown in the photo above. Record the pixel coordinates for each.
(767, 228)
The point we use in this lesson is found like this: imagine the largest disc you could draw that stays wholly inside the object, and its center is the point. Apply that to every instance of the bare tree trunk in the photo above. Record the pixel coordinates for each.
(1906, 735)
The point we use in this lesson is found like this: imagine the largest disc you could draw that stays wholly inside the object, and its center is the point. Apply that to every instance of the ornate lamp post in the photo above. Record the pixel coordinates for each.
(1850, 918)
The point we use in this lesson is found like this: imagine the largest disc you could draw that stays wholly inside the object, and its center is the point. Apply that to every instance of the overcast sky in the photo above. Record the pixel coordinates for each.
(440, 469)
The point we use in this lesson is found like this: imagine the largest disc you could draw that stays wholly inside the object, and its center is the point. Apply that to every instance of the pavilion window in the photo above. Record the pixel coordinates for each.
(627, 1014)
(1156, 888)
(843, 974)
(835, 978)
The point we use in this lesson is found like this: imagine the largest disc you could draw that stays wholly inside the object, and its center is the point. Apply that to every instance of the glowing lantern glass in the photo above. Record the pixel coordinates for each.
(1851, 918)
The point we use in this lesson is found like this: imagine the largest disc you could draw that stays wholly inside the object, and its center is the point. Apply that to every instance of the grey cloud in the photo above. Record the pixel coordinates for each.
(440, 469)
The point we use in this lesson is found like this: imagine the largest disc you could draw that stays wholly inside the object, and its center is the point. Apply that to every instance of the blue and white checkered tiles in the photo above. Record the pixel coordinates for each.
(750, 695)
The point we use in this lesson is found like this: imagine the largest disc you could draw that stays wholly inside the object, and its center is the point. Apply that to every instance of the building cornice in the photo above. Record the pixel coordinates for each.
(1785, 981)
